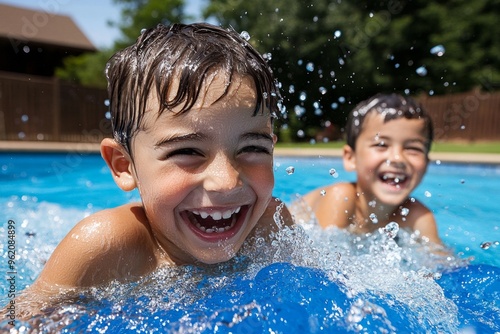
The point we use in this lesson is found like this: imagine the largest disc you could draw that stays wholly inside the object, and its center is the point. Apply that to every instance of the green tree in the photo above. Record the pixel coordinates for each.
(140, 14)
(330, 55)
(88, 68)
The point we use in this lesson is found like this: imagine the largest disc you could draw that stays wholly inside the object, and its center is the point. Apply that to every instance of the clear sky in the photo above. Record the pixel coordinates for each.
(91, 16)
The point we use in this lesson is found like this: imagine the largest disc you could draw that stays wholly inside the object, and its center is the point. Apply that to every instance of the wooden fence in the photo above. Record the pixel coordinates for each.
(46, 109)
(470, 116)
(37, 108)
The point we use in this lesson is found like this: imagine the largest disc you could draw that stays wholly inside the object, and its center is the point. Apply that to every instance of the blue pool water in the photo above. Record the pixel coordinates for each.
(310, 281)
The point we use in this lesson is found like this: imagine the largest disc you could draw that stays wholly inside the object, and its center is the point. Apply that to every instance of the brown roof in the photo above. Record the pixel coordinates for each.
(43, 27)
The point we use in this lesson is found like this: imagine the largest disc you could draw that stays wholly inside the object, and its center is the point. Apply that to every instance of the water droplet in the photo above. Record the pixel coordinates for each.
(486, 245)
(322, 90)
(290, 170)
(323, 192)
(21, 135)
(438, 162)
(405, 212)
(341, 61)
(301, 134)
(310, 67)
(267, 56)
(143, 30)
(391, 229)
(373, 218)
(245, 35)
(462, 181)
(106, 102)
(372, 204)
(462, 127)
(337, 33)
(422, 71)
(303, 96)
(299, 111)
(24, 118)
(438, 50)
(107, 115)
(333, 173)
(427, 194)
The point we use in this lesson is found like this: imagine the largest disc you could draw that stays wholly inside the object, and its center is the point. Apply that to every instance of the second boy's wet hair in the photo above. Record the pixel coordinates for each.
(185, 54)
(391, 106)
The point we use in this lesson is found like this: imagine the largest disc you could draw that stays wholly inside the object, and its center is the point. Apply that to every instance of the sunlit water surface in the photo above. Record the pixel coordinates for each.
(304, 280)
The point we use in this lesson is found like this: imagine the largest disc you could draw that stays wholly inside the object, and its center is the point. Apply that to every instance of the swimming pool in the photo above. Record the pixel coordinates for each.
(324, 283)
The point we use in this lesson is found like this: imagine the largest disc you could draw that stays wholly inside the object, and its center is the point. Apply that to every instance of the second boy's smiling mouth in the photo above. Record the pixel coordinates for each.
(391, 178)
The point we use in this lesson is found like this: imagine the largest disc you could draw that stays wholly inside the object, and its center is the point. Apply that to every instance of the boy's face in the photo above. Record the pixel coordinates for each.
(205, 176)
(390, 158)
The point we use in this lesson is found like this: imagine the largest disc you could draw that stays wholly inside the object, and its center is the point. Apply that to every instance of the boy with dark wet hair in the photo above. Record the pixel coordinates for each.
(388, 141)
(192, 109)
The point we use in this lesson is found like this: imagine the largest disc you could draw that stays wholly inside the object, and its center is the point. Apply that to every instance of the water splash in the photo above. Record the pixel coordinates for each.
(245, 35)
(391, 229)
(306, 278)
(422, 71)
(438, 50)
(333, 173)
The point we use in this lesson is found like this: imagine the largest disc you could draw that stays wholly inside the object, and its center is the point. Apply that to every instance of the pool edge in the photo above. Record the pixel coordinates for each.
(30, 146)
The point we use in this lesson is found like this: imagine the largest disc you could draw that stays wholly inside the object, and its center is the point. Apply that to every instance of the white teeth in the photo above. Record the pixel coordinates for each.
(397, 177)
(217, 215)
(227, 214)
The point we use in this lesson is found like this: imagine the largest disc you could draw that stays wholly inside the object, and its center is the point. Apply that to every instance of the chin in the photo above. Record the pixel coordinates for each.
(219, 255)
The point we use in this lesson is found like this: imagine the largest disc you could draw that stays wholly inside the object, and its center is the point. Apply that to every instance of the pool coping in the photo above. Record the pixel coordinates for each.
(30, 146)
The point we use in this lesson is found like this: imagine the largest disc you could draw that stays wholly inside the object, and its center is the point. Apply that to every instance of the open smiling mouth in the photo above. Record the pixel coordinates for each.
(213, 221)
(394, 179)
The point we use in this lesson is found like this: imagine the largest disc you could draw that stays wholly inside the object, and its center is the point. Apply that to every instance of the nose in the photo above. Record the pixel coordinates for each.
(222, 175)
(396, 157)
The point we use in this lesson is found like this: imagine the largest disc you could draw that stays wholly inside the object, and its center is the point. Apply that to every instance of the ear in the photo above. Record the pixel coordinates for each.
(275, 139)
(349, 158)
(119, 163)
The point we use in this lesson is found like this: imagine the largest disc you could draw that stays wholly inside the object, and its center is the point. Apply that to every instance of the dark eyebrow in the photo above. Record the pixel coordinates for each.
(181, 138)
(256, 136)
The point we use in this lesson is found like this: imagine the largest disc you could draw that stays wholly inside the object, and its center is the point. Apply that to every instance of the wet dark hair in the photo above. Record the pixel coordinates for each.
(391, 106)
(187, 54)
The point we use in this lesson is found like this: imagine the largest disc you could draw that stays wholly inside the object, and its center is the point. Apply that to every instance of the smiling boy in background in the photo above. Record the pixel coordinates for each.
(388, 143)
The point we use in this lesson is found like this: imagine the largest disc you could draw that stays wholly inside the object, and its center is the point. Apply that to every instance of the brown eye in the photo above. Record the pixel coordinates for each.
(255, 149)
(184, 151)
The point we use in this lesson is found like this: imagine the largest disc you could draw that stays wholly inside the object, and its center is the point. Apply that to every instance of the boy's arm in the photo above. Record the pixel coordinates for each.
(112, 244)
(423, 220)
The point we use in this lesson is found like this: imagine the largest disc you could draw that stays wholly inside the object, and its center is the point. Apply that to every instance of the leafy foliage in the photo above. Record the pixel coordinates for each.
(331, 55)
(88, 69)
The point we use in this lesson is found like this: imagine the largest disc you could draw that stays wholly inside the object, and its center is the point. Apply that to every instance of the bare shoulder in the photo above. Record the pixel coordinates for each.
(110, 244)
(333, 204)
(421, 219)
(275, 217)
